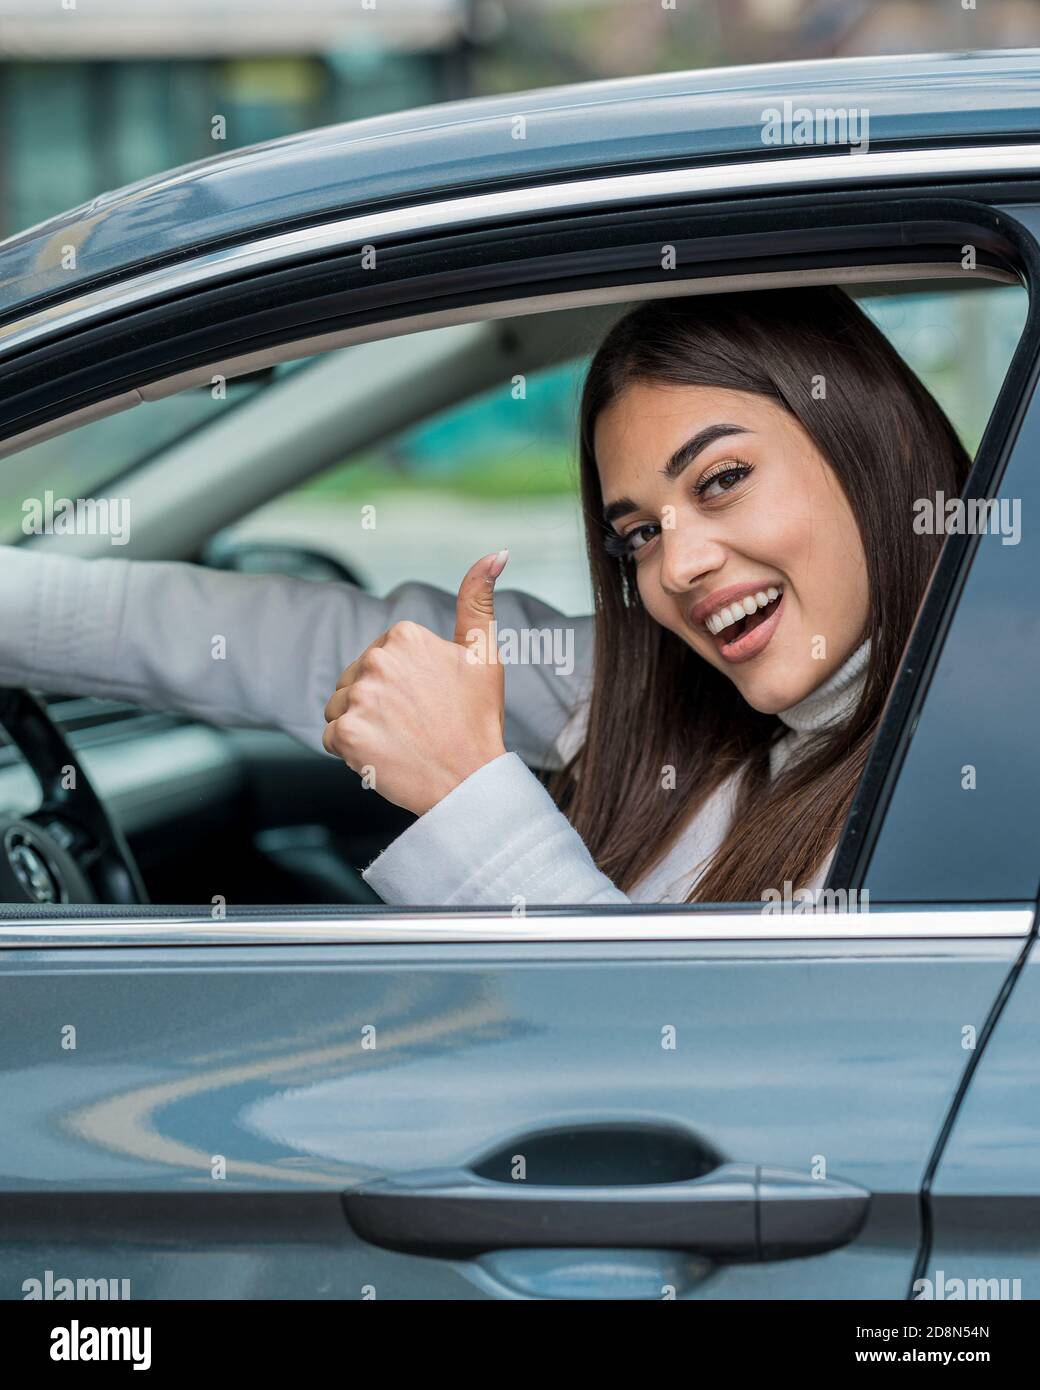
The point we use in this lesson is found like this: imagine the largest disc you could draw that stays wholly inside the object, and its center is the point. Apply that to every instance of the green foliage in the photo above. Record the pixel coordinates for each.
(546, 472)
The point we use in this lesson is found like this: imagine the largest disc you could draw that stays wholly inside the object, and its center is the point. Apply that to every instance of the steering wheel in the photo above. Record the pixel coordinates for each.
(69, 850)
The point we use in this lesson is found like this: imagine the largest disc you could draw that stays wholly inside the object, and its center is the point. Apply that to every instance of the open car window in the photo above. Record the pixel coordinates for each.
(94, 457)
(450, 486)
(488, 465)
(454, 481)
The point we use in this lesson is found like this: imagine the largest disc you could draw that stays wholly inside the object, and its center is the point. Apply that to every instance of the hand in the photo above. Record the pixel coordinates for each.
(416, 714)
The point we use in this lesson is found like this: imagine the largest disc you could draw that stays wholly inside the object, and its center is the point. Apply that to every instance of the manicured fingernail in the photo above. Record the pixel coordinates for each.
(496, 565)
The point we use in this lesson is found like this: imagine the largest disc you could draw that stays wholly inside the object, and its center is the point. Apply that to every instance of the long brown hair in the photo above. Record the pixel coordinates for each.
(655, 703)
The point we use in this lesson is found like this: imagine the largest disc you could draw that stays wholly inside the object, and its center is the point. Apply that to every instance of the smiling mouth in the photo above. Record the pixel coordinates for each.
(740, 635)
(748, 623)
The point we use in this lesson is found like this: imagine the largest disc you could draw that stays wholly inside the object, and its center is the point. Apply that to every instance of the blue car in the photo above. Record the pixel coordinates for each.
(227, 1070)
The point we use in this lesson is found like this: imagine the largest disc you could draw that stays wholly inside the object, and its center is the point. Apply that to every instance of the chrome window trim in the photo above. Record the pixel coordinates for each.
(617, 925)
(607, 191)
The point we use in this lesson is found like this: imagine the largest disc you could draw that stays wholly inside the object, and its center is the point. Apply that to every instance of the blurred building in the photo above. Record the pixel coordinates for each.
(98, 93)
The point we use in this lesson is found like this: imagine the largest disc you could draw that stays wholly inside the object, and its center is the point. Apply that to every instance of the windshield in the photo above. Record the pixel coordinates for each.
(83, 461)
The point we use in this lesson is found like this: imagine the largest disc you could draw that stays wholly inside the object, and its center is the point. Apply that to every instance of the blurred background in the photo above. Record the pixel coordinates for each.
(98, 93)
(95, 94)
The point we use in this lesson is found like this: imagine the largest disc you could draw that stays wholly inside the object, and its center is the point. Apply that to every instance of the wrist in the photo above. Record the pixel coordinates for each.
(458, 773)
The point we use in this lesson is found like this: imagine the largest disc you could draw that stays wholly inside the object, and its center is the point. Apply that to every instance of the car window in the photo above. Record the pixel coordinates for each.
(506, 456)
(970, 772)
(498, 470)
(501, 469)
(83, 461)
(88, 459)
(959, 342)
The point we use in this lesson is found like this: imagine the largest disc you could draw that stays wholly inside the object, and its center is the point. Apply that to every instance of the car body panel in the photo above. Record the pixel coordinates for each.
(985, 1196)
(789, 1053)
(613, 126)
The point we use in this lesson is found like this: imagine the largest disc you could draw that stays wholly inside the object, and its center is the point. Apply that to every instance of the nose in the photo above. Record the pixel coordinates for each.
(687, 555)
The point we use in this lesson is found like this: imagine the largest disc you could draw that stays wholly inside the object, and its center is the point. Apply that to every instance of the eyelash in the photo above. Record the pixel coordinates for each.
(619, 547)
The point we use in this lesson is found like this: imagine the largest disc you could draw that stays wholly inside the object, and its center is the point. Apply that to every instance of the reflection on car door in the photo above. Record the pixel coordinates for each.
(187, 1106)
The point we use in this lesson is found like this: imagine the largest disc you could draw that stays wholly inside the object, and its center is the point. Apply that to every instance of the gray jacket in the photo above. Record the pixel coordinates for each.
(266, 651)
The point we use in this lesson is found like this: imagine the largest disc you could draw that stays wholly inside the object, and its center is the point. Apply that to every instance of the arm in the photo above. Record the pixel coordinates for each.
(495, 839)
(245, 650)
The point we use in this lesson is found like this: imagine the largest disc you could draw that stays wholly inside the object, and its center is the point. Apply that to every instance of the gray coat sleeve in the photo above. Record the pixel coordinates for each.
(254, 650)
(497, 839)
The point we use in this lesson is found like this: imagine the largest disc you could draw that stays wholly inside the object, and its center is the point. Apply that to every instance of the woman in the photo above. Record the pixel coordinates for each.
(749, 468)
(760, 452)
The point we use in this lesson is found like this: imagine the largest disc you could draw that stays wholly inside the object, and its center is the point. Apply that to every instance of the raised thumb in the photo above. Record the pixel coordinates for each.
(475, 608)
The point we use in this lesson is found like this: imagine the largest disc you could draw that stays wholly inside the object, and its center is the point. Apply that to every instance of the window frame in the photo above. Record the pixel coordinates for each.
(790, 233)
(106, 349)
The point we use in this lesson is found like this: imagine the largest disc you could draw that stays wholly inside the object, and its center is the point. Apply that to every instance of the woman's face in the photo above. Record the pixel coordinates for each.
(720, 497)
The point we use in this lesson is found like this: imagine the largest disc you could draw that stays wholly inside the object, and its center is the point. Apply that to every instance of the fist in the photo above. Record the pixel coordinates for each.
(416, 714)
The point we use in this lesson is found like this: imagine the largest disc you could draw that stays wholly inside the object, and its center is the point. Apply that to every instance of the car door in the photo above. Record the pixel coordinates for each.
(714, 1105)
(982, 1190)
(982, 1186)
(652, 1102)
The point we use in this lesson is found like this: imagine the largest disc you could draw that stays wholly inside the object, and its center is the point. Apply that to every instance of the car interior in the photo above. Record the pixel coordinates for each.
(464, 432)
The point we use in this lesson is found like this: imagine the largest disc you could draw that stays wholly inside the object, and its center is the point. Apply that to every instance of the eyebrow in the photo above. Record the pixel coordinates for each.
(679, 461)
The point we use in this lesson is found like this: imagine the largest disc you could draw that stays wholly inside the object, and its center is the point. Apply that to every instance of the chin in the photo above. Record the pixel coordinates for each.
(771, 696)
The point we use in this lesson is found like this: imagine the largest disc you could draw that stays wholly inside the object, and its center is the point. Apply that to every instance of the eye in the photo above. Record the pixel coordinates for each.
(632, 541)
(727, 475)
(632, 538)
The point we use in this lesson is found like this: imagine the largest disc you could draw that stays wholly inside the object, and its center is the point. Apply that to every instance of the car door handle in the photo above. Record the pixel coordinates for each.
(739, 1212)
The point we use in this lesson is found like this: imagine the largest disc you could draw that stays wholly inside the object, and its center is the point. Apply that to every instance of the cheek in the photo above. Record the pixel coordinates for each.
(789, 517)
(823, 554)
(849, 596)
(649, 594)
(780, 526)
(779, 537)
(659, 605)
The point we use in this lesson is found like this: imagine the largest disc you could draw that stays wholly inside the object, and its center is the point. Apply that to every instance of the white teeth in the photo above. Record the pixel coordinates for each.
(725, 617)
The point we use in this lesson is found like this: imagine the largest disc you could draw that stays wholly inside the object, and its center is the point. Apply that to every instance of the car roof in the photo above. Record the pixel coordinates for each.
(584, 130)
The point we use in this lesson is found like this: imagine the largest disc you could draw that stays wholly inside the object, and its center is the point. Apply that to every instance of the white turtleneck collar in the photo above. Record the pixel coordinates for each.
(828, 704)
